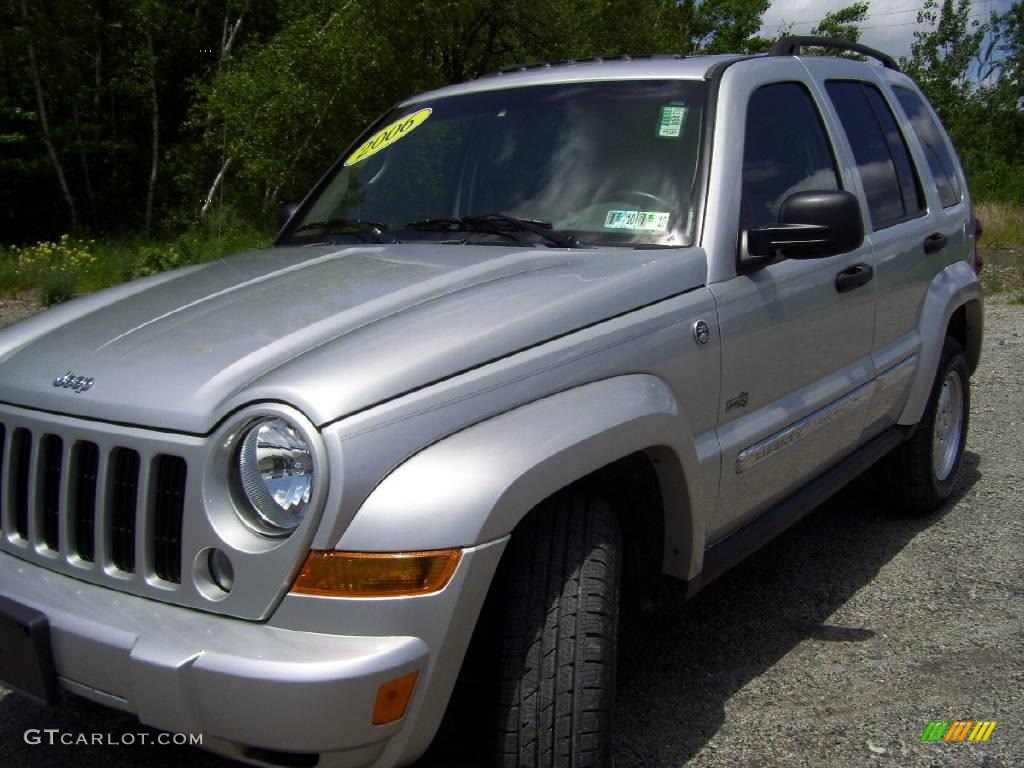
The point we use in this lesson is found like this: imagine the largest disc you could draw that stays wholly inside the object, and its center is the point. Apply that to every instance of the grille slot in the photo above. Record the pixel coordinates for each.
(123, 500)
(21, 458)
(51, 455)
(169, 506)
(85, 461)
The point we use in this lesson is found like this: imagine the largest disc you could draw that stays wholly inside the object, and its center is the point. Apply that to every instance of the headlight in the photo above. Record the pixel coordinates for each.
(275, 473)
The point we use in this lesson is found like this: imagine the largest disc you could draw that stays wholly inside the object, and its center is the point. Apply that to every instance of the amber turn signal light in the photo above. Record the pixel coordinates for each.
(329, 573)
(392, 698)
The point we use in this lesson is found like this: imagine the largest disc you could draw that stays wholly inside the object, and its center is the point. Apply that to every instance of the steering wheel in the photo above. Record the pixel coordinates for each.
(647, 197)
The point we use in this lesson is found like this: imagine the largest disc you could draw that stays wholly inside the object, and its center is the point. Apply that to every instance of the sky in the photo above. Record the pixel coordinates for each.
(889, 26)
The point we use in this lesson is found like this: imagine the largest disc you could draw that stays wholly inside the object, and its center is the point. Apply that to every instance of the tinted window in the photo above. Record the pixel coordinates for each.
(785, 151)
(940, 160)
(886, 171)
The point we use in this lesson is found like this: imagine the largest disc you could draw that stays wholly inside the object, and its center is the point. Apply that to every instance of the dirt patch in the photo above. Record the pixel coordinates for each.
(14, 308)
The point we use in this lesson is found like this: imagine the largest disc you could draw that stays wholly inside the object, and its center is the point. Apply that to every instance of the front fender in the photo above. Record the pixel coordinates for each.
(476, 485)
(954, 287)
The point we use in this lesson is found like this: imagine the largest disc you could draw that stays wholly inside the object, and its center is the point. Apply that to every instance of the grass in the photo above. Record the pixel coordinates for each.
(1003, 224)
(1002, 245)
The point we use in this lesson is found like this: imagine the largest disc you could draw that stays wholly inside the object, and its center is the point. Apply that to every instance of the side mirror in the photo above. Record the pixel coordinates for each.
(812, 225)
(287, 211)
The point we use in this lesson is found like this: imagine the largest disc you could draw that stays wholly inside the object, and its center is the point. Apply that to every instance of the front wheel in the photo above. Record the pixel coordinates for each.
(558, 635)
(922, 471)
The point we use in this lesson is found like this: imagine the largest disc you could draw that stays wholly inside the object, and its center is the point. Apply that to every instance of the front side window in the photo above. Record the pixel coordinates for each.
(890, 181)
(785, 151)
(940, 160)
(612, 163)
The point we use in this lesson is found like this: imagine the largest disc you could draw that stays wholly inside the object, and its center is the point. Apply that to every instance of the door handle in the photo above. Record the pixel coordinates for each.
(854, 277)
(935, 243)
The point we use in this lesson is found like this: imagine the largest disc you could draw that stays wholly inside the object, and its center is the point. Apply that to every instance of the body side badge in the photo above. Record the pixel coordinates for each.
(740, 401)
(701, 332)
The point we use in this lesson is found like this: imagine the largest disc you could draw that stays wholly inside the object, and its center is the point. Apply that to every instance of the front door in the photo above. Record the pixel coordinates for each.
(796, 350)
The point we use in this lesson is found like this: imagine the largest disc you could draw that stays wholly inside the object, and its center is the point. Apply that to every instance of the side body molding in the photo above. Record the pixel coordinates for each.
(476, 485)
(954, 287)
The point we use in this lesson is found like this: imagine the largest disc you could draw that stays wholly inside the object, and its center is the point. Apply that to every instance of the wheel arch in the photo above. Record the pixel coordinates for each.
(952, 307)
(625, 434)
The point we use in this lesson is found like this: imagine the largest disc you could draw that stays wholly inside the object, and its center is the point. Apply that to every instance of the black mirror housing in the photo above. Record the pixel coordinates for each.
(812, 225)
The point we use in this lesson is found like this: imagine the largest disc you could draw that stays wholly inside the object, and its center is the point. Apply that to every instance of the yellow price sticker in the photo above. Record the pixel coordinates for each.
(387, 136)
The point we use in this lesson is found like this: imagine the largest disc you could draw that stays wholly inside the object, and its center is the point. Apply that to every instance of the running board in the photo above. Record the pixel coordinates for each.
(739, 545)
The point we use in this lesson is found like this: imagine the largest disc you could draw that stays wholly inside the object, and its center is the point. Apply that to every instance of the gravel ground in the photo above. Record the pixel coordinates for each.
(835, 645)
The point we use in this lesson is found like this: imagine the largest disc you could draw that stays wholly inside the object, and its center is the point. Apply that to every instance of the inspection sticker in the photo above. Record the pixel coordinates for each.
(620, 219)
(648, 221)
(671, 122)
(388, 135)
(652, 221)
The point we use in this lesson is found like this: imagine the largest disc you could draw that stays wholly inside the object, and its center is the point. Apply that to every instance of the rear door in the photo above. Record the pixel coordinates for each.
(904, 219)
(796, 363)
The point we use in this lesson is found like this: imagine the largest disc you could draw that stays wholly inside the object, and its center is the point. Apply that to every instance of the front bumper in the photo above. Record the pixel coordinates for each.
(250, 686)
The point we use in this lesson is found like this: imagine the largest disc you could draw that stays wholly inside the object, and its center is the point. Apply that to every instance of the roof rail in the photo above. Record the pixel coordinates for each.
(790, 46)
(588, 60)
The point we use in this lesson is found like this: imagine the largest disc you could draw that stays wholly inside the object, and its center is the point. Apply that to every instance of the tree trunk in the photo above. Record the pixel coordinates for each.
(213, 189)
(151, 191)
(85, 165)
(44, 124)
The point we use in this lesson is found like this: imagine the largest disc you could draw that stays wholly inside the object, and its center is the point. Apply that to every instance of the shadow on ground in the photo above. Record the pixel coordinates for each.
(678, 667)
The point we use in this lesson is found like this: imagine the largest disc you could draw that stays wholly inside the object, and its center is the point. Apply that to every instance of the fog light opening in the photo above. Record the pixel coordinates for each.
(221, 571)
(213, 574)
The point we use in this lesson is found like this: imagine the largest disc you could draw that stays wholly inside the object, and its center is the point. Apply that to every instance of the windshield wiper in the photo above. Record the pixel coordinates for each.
(499, 223)
(351, 226)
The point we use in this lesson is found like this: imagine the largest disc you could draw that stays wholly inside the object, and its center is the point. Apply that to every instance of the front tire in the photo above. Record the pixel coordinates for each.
(559, 634)
(921, 472)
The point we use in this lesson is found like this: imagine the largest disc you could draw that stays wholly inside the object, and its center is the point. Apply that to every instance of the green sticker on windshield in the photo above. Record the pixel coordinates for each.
(671, 122)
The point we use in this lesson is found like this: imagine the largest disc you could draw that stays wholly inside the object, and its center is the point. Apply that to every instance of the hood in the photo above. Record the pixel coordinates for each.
(329, 331)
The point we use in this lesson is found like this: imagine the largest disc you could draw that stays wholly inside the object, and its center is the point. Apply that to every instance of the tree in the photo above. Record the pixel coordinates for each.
(843, 23)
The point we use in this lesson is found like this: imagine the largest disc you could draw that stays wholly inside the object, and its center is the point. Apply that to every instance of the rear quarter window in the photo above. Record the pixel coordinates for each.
(940, 159)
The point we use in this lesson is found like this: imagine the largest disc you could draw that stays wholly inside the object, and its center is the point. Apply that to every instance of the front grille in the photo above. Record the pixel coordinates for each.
(88, 503)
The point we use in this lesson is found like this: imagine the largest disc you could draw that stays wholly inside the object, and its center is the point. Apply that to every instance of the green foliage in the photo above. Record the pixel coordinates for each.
(843, 23)
(55, 268)
(69, 266)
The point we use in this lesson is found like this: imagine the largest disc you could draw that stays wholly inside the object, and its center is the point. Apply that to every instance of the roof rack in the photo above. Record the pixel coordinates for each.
(589, 60)
(790, 46)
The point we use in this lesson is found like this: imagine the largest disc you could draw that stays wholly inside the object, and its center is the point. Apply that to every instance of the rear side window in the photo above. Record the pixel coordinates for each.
(940, 160)
(890, 180)
(785, 151)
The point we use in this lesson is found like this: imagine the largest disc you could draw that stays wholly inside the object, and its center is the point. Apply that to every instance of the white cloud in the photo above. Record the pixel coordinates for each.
(889, 27)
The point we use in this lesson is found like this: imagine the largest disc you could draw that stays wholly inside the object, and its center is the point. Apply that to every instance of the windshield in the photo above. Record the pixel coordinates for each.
(596, 163)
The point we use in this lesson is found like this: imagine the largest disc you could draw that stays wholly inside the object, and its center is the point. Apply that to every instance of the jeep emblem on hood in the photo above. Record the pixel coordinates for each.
(70, 381)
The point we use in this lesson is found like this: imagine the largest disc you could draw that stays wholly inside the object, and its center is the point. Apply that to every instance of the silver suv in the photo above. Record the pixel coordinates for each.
(535, 342)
